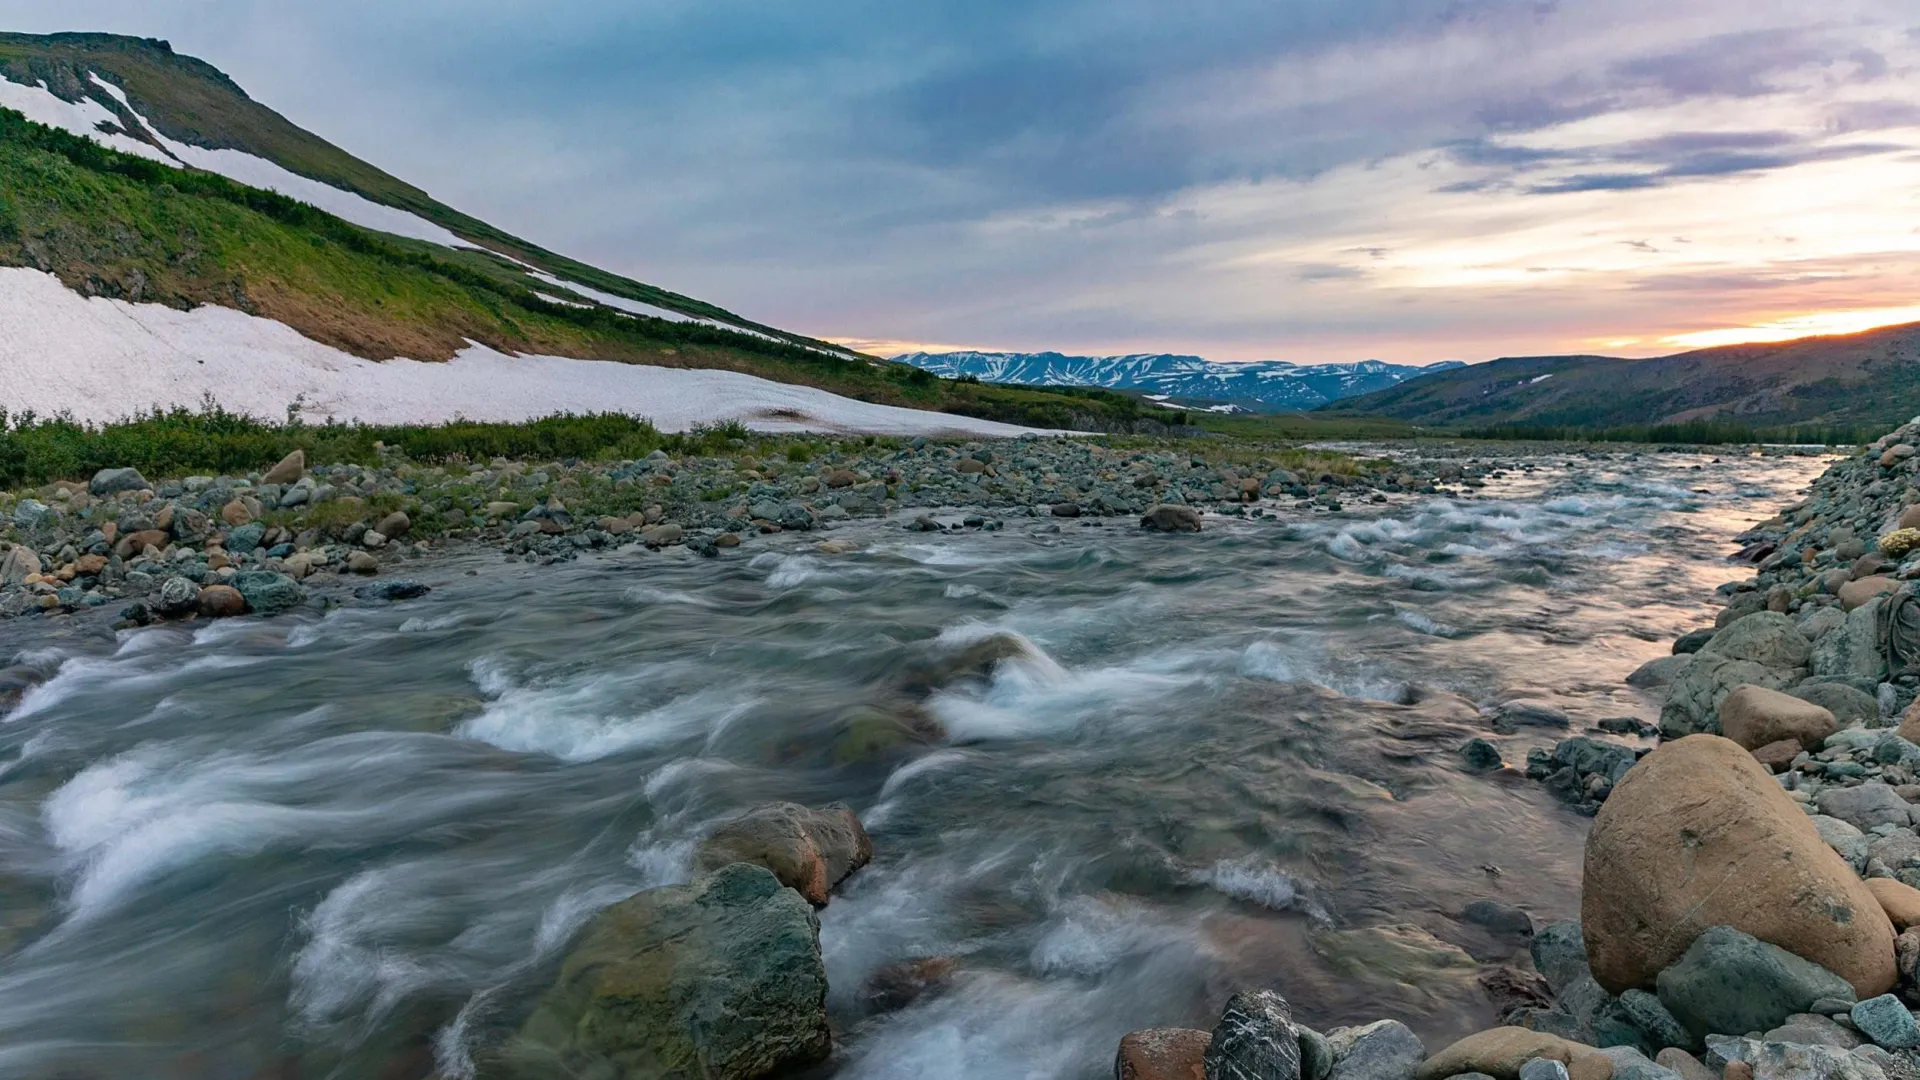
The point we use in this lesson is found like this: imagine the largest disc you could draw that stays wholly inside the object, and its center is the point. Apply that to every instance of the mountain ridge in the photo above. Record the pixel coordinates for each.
(1263, 385)
(1867, 379)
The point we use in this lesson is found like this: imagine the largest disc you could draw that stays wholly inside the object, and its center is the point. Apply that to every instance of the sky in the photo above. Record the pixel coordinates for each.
(1306, 180)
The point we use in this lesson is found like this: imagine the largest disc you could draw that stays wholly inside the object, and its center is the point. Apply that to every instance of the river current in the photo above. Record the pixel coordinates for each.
(353, 844)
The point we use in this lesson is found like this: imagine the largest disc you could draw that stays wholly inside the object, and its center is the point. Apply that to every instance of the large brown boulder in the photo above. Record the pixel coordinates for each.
(1856, 593)
(1698, 835)
(1162, 1054)
(1501, 1051)
(1754, 716)
(1899, 900)
(810, 851)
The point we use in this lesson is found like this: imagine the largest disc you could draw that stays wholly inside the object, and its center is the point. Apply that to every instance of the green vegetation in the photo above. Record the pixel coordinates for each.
(113, 224)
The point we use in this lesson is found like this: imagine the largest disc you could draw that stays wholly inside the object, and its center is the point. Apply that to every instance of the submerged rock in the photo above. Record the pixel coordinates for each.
(810, 851)
(718, 981)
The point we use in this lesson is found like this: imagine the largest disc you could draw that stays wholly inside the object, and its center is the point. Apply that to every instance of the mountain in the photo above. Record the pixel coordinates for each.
(198, 224)
(1870, 379)
(1263, 386)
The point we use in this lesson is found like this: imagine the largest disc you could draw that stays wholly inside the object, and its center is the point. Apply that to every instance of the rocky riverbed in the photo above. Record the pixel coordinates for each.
(898, 798)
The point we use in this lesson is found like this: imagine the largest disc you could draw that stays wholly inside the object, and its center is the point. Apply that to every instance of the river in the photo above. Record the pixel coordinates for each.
(350, 845)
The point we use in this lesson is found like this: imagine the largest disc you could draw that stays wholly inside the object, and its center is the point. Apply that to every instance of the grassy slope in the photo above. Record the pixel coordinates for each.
(112, 224)
(1864, 381)
(190, 101)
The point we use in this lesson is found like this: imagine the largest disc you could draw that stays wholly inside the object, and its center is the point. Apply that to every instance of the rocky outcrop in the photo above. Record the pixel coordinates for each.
(1698, 835)
(810, 851)
(718, 981)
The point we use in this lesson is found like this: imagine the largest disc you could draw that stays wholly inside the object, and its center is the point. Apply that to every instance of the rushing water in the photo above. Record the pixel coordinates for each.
(351, 845)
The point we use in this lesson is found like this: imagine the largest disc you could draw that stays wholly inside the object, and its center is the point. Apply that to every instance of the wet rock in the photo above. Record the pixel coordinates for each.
(1501, 918)
(268, 593)
(1887, 1022)
(1255, 1040)
(1383, 1050)
(1730, 982)
(390, 591)
(220, 602)
(1397, 955)
(114, 481)
(1660, 671)
(1698, 835)
(1066, 510)
(721, 980)
(1511, 988)
(1162, 1054)
(810, 851)
(897, 986)
(1171, 518)
(290, 469)
(1481, 755)
(1559, 953)
(1693, 641)
(1754, 716)
(1501, 1052)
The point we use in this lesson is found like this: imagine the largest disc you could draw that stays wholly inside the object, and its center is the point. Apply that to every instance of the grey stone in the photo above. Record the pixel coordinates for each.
(1888, 1022)
(1255, 1040)
(1814, 1029)
(1316, 1056)
(1865, 806)
(1659, 1026)
(1848, 705)
(1790, 1061)
(1852, 649)
(1693, 641)
(1767, 638)
(114, 481)
(1544, 1069)
(1898, 849)
(1560, 954)
(721, 979)
(1685, 1065)
(1730, 982)
(245, 539)
(1498, 917)
(1693, 701)
(1631, 1064)
(268, 593)
(20, 562)
(1660, 671)
(1383, 1050)
(1481, 754)
(177, 596)
(31, 513)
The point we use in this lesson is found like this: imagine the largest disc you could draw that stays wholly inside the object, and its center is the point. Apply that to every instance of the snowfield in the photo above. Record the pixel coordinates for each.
(102, 360)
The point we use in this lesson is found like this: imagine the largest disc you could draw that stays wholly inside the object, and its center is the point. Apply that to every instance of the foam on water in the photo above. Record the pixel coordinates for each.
(1269, 660)
(590, 716)
(1258, 882)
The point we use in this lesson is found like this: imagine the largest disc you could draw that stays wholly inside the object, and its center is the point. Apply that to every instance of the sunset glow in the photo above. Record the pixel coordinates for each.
(1797, 326)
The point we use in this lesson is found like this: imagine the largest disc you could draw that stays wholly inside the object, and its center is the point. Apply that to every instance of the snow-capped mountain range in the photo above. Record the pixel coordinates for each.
(1266, 385)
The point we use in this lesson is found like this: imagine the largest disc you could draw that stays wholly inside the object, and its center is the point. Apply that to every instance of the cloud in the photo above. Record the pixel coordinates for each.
(1106, 175)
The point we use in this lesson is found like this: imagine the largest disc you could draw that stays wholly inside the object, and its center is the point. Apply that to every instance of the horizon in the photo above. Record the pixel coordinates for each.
(1103, 179)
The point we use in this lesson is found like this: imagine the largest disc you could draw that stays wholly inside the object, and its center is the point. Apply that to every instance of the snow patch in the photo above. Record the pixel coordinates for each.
(103, 360)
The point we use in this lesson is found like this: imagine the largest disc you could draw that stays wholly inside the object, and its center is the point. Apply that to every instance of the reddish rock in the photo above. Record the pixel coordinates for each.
(221, 601)
(1778, 756)
(1162, 1054)
(136, 542)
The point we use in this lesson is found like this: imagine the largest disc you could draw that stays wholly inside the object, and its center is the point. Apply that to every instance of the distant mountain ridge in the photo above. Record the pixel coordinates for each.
(1265, 386)
(1866, 380)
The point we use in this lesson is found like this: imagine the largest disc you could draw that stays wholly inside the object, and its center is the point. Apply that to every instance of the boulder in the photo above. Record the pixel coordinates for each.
(1847, 704)
(20, 562)
(1899, 900)
(114, 481)
(1853, 648)
(394, 525)
(1500, 1053)
(1855, 593)
(1383, 1050)
(1887, 1022)
(1693, 701)
(1660, 671)
(291, 468)
(720, 980)
(810, 851)
(176, 596)
(220, 602)
(1767, 638)
(1779, 756)
(133, 543)
(1754, 716)
(1865, 806)
(1162, 1054)
(1728, 982)
(268, 593)
(1168, 517)
(1255, 1040)
(1698, 835)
